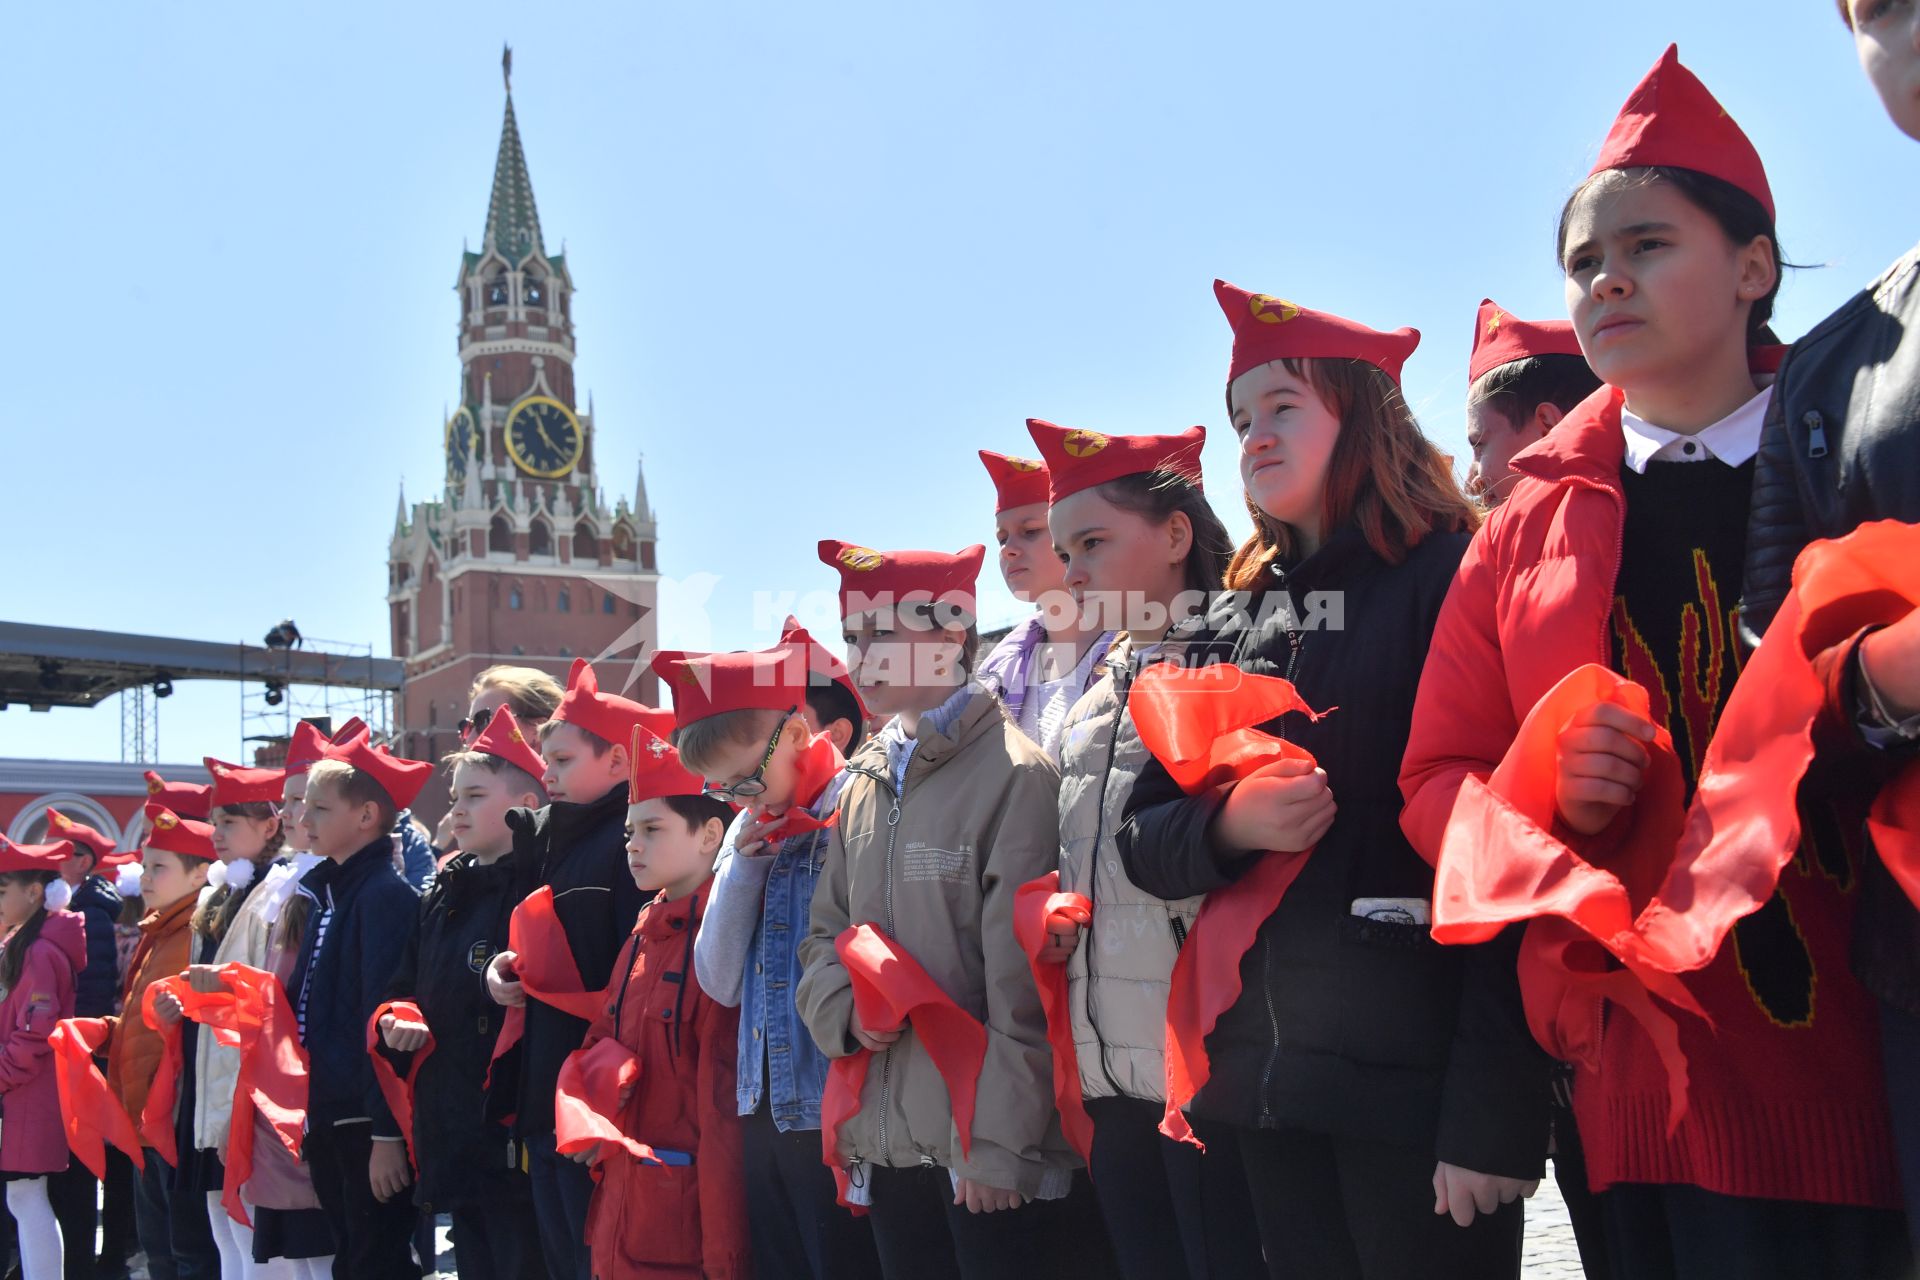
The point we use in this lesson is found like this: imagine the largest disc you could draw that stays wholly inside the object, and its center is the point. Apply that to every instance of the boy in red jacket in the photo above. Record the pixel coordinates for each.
(649, 1094)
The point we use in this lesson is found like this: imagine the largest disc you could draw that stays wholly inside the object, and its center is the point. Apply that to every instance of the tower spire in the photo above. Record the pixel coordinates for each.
(513, 222)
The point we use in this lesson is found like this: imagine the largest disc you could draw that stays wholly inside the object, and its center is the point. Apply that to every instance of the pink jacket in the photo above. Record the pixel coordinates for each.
(31, 1140)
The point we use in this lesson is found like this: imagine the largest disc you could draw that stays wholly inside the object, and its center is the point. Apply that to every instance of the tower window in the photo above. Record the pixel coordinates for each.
(536, 292)
(606, 603)
(540, 539)
(497, 291)
(514, 599)
(564, 601)
(500, 535)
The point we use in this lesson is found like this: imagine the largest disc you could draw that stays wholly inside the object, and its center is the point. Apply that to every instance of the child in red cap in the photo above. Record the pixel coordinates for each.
(671, 1196)
(1046, 662)
(462, 1157)
(44, 949)
(576, 845)
(1354, 1064)
(1522, 378)
(366, 913)
(744, 723)
(1619, 550)
(1139, 544)
(948, 810)
(1841, 448)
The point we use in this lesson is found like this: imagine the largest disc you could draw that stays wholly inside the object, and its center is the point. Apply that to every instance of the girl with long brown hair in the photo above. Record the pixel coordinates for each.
(1358, 1066)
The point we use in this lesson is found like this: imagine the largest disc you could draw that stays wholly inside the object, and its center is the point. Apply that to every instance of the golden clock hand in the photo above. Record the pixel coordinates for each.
(542, 429)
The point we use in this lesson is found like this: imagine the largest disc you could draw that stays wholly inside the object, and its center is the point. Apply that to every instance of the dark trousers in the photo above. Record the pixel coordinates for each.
(74, 1194)
(921, 1234)
(1680, 1233)
(1344, 1209)
(175, 1250)
(498, 1239)
(1900, 1063)
(798, 1230)
(1583, 1206)
(371, 1240)
(1169, 1210)
(561, 1190)
(117, 1241)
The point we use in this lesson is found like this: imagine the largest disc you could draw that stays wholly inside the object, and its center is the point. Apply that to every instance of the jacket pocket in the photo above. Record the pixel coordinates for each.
(1403, 994)
(659, 1218)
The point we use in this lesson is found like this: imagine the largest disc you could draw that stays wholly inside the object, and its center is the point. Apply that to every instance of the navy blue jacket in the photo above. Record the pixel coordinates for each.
(97, 985)
(365, 917)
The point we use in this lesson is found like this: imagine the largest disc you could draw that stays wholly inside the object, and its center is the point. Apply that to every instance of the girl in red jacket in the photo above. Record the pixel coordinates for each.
(45, 947)
(1622, 545)
(680, 1211)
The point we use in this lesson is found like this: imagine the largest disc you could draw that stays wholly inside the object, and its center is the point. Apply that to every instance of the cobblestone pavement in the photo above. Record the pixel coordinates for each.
(1549, 1252)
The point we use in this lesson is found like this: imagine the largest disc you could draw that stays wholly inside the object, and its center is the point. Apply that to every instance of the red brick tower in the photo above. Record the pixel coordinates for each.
(520, 560)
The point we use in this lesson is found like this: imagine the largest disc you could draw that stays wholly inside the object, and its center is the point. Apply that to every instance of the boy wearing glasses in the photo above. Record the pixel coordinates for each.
(748, 724)
(578, 845)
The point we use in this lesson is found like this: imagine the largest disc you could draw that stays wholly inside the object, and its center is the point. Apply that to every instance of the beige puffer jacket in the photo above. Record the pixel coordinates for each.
(1117, 977)
(254, 938)
(936, 869)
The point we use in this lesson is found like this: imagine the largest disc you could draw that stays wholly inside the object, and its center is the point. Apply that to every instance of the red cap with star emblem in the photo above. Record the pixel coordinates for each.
(400, 779)
(61, 827)
(505, 739)
(1266, 328)
(605, 715)
(1079, 460)
(168, 832)
(711, 684)
(657, 770)
(822, 661)
(1671, 120)
(1500, 339)
(309, 744)
(183, 798)
(1017, 482)
(233, 784)
(33, 857)
(872, 579)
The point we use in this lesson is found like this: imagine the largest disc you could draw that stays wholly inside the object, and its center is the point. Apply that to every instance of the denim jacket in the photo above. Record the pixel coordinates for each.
(747, 954)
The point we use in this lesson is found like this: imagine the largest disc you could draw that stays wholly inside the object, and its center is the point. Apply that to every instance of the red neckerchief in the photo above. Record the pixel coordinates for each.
(156, 1117)
(543, 964)
(1201, 724)
(818, 765)
(1037, 904)
(1710, 865)
(890, 989)
(593, 1089)
(89, 1109)
(394, 1087)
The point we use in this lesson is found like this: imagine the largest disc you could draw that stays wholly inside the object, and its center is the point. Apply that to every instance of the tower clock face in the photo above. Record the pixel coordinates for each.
(544, 438)
(463, 442)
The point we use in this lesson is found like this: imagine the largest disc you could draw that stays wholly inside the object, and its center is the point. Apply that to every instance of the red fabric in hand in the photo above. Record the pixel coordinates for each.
(394, 1087)
(595, 1083)
(890, 990)
(543, 963)
(90, 1111)
(819, 764)
(1202, 725)
(1036, 905)
(156, 1118)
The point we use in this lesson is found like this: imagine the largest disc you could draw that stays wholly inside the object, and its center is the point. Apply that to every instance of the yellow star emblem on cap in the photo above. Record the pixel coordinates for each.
(62, 821)
(153, 786)
(1493, 323)
(1083, 444)
(1268, 309)
(1024, 464)
(860, 559)
(166, 821)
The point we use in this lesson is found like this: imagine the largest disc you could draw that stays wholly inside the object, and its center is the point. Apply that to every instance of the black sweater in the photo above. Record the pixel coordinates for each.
(1348, 1026)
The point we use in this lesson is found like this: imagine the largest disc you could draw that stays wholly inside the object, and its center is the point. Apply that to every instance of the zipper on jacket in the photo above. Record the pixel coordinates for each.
(886, 889)
(1121, 686)
(1816, 433)
(1295, 642)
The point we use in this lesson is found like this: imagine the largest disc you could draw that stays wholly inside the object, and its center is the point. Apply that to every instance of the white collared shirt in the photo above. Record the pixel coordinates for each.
(1732, 440)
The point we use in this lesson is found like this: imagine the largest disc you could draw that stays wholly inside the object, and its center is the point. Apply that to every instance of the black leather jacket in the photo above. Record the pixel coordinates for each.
(1841, 447)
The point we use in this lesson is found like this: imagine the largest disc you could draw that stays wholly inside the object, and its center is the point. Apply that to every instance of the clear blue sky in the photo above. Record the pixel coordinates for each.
(824, 253)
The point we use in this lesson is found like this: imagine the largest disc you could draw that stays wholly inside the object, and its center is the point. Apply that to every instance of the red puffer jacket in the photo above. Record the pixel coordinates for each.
(1786, 1109)
(651, 1221)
